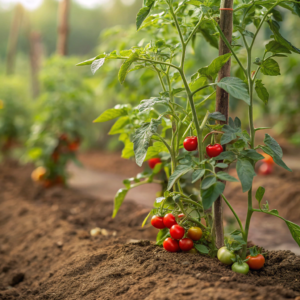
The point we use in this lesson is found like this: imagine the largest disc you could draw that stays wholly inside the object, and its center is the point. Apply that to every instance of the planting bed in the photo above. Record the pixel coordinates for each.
(46, 252)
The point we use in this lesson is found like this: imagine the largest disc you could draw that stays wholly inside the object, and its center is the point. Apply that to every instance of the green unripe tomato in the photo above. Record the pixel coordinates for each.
(225, 256)
(240, 268)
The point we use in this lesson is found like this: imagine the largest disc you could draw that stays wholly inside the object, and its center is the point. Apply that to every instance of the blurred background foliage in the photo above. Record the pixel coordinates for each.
(105, 28)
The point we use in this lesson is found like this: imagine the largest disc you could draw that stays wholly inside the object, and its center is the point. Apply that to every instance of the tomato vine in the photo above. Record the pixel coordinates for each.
(158, 127)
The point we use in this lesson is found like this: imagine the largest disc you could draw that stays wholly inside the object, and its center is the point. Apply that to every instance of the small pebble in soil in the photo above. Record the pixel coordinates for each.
(95, 231)
(59, 244)
(186, 263)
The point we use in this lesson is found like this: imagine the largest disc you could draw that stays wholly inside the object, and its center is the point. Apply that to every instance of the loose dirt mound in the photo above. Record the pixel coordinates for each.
(46, 252)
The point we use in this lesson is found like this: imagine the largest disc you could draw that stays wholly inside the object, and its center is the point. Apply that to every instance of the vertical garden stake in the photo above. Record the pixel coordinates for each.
(222, 101)
(63, 28)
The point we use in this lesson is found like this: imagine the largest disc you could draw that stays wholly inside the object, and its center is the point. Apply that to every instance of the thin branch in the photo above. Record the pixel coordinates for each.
(230, 48)
(203, 87)
(234, 213)
(194, 30)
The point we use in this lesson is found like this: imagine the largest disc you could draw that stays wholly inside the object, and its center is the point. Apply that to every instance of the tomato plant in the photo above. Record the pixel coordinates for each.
(174, 123)
(60, 123)
(14, 118)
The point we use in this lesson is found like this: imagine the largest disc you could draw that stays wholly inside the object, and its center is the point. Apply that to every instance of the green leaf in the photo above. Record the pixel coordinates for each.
(246, 173)
(261, 91)
(221, 165)
(150, 103)
(155, 150)
(252, 154)
(270, 67)
(210, 195)
(141, 139)
(277, 159)
(197, 175)
(275, 47)
(162, 235)
(119, 125)
(217, 116)
(232, 131)
(226, 177)
(260, 194)
(273, 145)
(274, 212)
(179, 171)
(208, 182)
(295, 231)
(86, 62)
(119, 198)
(274, 26)
(97, 64)
(201, 248)
(207, 29)
(157, 168)
(145, 220)
(143, 13)
(228, 155)
(128, 151)
(112, 113)
(216, 65)
(126, 65)
(235, 87)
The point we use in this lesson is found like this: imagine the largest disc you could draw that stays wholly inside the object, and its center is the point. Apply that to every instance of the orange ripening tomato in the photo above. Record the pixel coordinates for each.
(268, 159)
(38, 174)
(255, 262)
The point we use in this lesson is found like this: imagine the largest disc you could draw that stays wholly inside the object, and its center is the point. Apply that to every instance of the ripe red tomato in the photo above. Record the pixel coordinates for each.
(158, 222)
(171, 245)
(265, 169)
(169, 220)
(255, 262)
(268, 159)
(214, 150)
(177, 232)
(186, 244)
(153, 162)
(180, 216)
(73, 146)
(190, 143)
(195, 233)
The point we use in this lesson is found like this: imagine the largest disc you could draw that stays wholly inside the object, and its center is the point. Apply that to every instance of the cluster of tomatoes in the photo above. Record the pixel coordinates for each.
(254, 261)
(180, 239)
(47, 176)
(191, 144)
(267, 165)
(65, 146)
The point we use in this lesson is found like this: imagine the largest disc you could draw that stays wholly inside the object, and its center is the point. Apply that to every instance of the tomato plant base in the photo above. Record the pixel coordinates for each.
(46, 252)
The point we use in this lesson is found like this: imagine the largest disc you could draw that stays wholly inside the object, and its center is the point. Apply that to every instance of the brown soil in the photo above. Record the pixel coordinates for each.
(46, 252)
(110, 162)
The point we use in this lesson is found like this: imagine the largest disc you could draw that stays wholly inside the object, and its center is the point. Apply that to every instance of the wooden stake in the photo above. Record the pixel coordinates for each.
(222, 104)
(13, 39)
(63, 28)
(36, 53)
